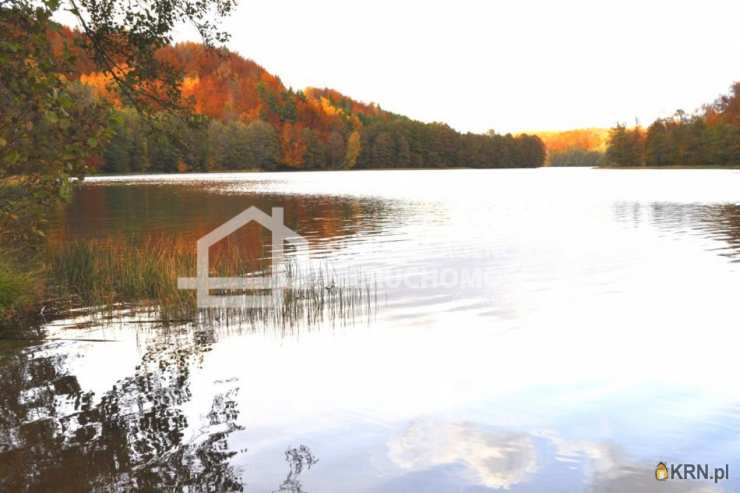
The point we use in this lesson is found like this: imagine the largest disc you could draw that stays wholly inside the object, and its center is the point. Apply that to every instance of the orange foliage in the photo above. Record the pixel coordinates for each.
(587, 139)
(294, 148)
(726, 109)
(61, 37)
(340, 101)
(100, 84)
(224, 86)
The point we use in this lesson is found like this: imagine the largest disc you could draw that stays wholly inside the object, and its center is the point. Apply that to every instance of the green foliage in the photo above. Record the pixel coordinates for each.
(404, 142)
(335, 150)
(232, 146)
(18, 288)
(576, 157)
(49, 129)
(382, 151)
(626, 146)
(682, 141)
(127, 150)
(709, 138)
(262, 145)
(315, 155)
(658, 146)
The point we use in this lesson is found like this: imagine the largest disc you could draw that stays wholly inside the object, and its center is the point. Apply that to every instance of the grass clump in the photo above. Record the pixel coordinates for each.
(108, 273)
(20, 288)
(104, 272)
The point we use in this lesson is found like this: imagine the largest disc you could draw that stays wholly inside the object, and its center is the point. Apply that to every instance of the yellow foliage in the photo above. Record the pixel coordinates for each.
(328, 107)
(587, 139)
(101, 85)
(354, 145)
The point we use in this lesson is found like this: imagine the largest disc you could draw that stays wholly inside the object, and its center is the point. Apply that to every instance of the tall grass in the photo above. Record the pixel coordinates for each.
(19, 287)
(106, 273)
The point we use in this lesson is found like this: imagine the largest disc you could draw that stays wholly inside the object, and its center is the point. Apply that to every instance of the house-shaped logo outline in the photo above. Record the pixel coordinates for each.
(276, 282)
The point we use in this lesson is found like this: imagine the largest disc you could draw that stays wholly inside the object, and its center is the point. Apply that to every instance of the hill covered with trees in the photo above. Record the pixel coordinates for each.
(578, 147)
(710, 137)
(247, 118)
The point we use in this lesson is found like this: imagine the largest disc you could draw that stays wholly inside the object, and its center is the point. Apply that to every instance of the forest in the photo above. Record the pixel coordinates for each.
(243, 117)
(577, 147)
(709, 137)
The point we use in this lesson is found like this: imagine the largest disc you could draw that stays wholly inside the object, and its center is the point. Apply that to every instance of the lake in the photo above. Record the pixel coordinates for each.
(535, 330)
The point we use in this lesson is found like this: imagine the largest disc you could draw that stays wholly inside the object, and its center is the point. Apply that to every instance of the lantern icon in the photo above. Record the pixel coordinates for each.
(661, 472)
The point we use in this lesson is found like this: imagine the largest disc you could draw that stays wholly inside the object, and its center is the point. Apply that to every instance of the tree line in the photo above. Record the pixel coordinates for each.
(169, 144)
(711, 136)
(575, 157)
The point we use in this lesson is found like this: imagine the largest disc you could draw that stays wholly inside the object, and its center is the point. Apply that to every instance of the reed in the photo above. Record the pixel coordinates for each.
(144, 272)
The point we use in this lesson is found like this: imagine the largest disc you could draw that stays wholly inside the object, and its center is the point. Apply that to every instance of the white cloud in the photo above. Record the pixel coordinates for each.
(492, 458)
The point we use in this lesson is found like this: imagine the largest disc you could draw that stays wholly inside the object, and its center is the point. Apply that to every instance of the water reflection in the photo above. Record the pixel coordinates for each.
(609, 469)
(492, 458)
(298, 459)
(111, 210)
(717, 226)
(59, 437)
(500, 459)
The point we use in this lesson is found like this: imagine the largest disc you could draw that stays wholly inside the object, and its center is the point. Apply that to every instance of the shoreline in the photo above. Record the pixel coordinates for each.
(92, 177)
(673, 167)
(252, 171)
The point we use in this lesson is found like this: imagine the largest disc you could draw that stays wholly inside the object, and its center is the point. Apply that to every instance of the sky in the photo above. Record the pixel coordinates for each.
(502, 65)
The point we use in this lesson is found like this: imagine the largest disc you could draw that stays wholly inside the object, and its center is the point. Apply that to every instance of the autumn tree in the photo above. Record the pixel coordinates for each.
(353, 150)
(47, 137)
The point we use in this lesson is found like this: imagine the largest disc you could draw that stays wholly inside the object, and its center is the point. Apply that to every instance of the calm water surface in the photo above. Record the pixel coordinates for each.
(541, 330)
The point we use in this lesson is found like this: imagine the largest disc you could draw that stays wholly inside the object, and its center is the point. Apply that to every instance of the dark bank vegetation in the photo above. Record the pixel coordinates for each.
(709, 137)
(575, 157)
